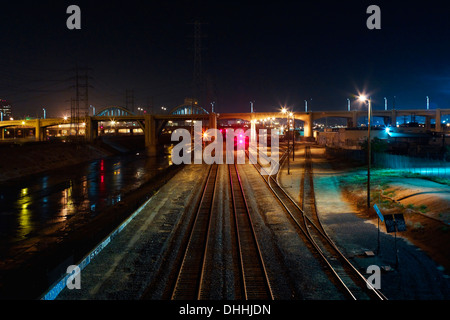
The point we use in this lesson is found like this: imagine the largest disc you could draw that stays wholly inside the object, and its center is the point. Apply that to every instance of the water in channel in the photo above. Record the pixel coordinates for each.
(47, 207)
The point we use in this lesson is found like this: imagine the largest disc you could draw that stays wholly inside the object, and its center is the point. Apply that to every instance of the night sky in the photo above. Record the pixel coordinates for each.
(272, 52)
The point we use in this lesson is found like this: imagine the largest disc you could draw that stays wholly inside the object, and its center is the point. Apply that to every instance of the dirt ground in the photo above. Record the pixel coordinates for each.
(422, 269)
(426, 213)
(424, 203)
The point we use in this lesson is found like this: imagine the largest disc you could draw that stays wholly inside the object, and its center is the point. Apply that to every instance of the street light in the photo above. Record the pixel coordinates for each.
(293, 135)
(363, 99)
(284, 111)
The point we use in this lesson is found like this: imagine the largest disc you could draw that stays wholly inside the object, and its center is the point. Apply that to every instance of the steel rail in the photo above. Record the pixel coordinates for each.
(254, 277)
(190, 275)
(289, 204)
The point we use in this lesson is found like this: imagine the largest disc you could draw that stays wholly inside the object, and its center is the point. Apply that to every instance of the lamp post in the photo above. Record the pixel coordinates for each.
(291, 115)
(369, 112)
(284, 111)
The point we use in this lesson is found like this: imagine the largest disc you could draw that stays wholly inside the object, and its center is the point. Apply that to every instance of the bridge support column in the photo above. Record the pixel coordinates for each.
(150, 135)
(394, 118)
(39, 132)
(438, 120)
(354, 119)
(308, 126)
(427, 123)
(253, 134)
(212, 121)
(91, 129)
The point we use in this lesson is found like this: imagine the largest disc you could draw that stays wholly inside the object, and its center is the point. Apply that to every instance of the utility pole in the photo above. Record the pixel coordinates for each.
(79, 107)
(198, 85)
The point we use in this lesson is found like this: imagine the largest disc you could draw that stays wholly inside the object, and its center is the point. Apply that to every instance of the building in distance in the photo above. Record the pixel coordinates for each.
(5, 109)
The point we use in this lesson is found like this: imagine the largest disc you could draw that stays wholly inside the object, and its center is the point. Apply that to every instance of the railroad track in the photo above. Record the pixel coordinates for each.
(253, 274)
(191, 276)
(353, 283)
(188, 284)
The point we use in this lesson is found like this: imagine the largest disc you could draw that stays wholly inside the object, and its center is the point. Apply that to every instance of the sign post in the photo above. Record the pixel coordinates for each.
(395, 223)
(380, 217)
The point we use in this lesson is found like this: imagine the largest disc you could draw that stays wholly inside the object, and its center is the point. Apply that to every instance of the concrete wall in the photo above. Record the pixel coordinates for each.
(348, 139)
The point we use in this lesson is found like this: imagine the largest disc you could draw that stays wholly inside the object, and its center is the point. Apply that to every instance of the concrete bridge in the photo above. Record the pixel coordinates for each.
(153, 124)
(308, 118)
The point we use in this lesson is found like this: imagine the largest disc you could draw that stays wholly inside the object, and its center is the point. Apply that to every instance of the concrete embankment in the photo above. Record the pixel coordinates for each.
(30, 273)
(19, 160)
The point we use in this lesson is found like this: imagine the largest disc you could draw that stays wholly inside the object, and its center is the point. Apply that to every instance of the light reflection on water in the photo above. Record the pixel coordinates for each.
(25, 214)
(56, 202)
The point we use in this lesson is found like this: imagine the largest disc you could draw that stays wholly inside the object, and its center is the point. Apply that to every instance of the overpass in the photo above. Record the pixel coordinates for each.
(390, 117)
(153, 124)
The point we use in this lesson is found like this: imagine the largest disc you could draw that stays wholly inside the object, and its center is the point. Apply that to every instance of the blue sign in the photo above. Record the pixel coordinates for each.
(378, 212)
